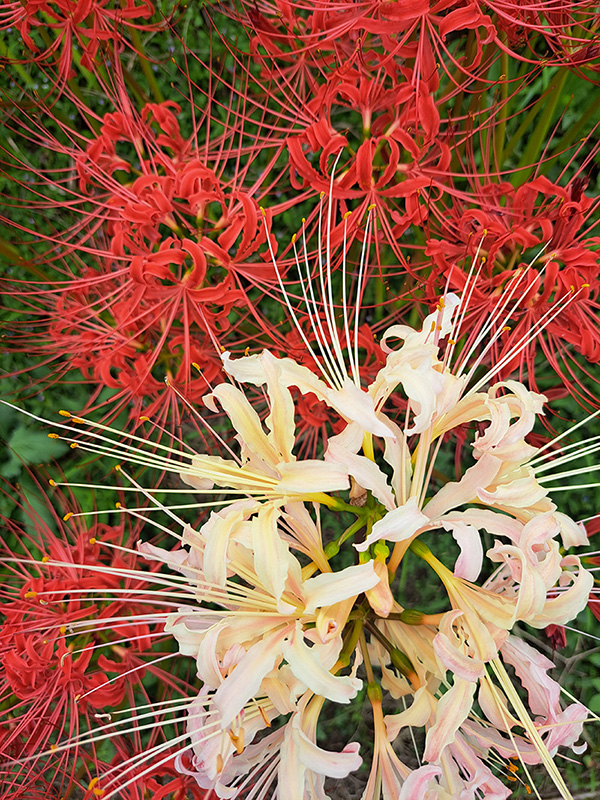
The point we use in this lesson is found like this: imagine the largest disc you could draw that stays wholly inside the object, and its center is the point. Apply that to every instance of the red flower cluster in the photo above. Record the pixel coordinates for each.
(52, 30)
(80, 631)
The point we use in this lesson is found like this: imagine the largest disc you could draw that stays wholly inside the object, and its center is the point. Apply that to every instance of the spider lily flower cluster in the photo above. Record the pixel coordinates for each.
(283, 617)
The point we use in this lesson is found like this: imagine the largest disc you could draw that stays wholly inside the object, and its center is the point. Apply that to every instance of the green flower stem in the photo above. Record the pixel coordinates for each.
(146, 67)
(500, 132)
(537, 138)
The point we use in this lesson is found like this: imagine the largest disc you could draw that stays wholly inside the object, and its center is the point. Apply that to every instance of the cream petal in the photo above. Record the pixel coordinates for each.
(245, 422)
(417, 715)
(333, 587)
(364, 471)
(244, 682)
(271, 554)
(572, 534)
(325, 762)
(397, 525)
(281, 418)
(311, 477)
(520, 493)
(571, 601)
(464, 491)
(305, 664)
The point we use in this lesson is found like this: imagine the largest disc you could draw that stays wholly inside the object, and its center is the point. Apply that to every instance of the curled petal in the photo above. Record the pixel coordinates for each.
(397, 525)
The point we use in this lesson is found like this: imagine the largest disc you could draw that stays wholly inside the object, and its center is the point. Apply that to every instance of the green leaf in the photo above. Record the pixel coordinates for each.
(30, 447)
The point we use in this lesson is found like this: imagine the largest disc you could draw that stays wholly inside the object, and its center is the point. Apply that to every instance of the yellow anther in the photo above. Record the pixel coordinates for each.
(117, 468)
(63, 629)
(505, 328)
(45, 559)
(77, 698)
(451, 341)
(485, 231)
(30, 594)
(432, 327)
(527, 788)
(246, 351)
(52, 482)
(67, 516)
(585, 285)
(77, 419)
(294, 239)
(347, 214)
(372, 206)
(322, 195)
(572, 289)
(53, 436)
(64, 413)
(304, 220)
(118, 505)
(512, 767)
(144, 419)
(262, 211)
(237, 740)
(53, 747)
(196, 366)
(511, 778)
(442, 303)
(73, 445)
(93, 540)
(221, 348)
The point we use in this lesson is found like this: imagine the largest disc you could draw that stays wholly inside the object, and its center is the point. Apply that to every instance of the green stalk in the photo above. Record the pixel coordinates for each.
(146, 67)
(537, 139)
(574, 130)
(502, 111)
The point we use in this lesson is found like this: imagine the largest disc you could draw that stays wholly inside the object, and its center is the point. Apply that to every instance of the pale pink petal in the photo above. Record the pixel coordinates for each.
(416, 785)
(460, 664)
(397, 525)
(380, 597)
(468, 564)
(440, 320)
(451, 712)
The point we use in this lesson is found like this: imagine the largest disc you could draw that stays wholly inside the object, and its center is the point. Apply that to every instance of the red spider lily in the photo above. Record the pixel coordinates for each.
(175, 256)
(52, 29)
(536, 237)
(293, 32)
(75, 645)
